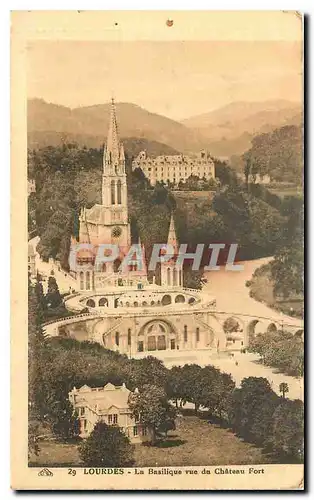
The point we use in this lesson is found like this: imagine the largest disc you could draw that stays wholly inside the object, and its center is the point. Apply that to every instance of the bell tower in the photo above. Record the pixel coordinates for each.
(114, 185)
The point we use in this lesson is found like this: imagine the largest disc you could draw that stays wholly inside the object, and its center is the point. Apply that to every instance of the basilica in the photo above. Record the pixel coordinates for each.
(122, 309)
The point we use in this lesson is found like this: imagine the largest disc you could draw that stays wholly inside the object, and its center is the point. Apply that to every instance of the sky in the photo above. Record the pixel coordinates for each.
(173, 78)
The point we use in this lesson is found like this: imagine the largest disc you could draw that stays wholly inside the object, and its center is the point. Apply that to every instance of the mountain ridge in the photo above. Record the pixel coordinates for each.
(224, 132)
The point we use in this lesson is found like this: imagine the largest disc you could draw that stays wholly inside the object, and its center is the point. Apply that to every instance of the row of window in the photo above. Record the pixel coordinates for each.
(112, 419)
(177, 176)
(186, 163)
(135, 430)
(176, 170)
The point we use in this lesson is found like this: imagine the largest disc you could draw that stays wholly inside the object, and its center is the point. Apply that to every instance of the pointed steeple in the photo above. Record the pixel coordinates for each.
(144, 267)
(172, 237)
(112, 150)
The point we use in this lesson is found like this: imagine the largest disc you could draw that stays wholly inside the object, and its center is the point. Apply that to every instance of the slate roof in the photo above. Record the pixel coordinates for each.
(104, 397)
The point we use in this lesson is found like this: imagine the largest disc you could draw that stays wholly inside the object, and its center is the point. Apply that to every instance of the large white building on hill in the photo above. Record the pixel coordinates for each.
(175, 168)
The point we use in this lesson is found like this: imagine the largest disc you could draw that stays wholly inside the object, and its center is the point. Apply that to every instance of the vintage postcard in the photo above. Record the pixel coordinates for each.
(157, 250)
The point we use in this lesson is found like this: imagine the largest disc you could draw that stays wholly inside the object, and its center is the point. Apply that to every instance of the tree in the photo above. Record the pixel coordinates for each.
(231, 325)
(53, 297)
(63, 419)
(288, 429)
(148, 368)
(283, 388)
(287, 267)
(175, 384)
(194, 386)
(33, 432)
(221, 389)
(107, 446)
(281, 350)
(251, 409)
(151, 408)
(35, 343)
(278, 154)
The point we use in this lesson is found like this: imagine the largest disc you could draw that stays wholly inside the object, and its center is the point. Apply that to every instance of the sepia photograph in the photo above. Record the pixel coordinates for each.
(164, 282)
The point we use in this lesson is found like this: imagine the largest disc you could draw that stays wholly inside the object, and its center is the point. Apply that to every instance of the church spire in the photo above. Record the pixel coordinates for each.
(172, 237)
(112, 150)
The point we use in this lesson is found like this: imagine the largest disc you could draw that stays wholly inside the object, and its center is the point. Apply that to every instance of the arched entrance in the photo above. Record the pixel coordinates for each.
(90, 303)
(231, 325)
(157, 335)
(257, 326)
(103, 302)
(233, 329)
(272, 328)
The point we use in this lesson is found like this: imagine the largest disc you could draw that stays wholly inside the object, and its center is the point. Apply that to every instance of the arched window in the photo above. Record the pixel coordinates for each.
(113, 193)
(103, 302)
(197, 334)
(168, 276)
(119, 193)
(166, 300)
(88, 280)
(129, 336)
(117, 338)
(179, 299)
(185, 333)
(135, 304)
(90, 303)
(81, 280)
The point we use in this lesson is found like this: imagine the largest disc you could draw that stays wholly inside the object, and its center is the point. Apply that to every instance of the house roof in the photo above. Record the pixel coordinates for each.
(103, 398)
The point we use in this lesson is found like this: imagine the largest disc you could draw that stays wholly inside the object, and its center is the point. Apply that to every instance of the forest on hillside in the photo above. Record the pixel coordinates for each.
(278, 154)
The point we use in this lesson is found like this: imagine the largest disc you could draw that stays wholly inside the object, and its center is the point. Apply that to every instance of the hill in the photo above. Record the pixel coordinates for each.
(278, 154)
(51, 124)
(229, 130)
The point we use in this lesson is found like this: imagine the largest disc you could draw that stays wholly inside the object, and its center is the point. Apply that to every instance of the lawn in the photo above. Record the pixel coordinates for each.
(194, 442)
